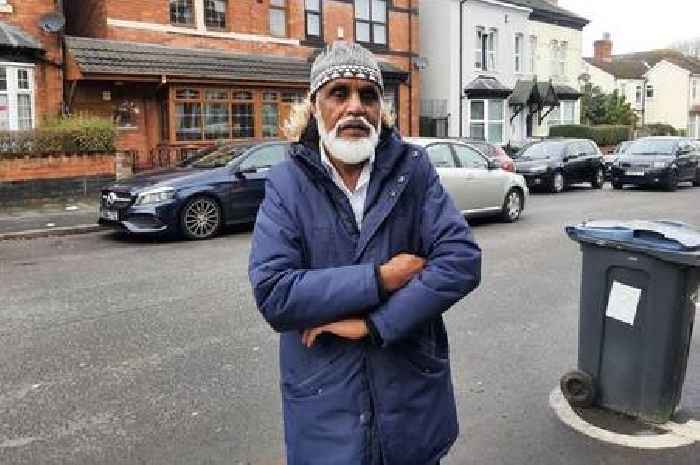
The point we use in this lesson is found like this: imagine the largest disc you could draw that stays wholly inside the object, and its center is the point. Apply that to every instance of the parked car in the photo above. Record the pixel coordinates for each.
(476, 183)
(554, 164)
(658, 161)
(609, 158)
(223, 187)
(492, 151)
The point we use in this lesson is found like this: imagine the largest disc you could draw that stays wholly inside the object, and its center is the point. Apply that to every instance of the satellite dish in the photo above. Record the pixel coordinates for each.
(52, 22)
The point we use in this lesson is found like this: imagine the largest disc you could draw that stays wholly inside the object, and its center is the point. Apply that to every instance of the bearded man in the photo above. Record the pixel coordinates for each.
(357, 252)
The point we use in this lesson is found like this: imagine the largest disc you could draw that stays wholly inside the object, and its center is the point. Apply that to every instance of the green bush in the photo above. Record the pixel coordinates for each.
(602, 135)
(657, 129)
(61, 135)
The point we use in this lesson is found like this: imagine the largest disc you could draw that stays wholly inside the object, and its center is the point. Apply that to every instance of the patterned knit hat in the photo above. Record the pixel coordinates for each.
(342, 60)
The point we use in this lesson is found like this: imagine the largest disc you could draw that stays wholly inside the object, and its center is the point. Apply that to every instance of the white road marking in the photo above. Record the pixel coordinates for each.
(677, 435)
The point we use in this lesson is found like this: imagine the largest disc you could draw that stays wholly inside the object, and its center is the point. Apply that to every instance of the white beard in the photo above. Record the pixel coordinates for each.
(351, 152)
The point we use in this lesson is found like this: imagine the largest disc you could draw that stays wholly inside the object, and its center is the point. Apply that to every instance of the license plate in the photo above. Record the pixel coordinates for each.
(634, 173)
(110, 215)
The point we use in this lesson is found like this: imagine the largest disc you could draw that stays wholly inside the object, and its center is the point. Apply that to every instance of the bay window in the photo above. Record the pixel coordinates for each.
(487, 120)
(565, 113)
(16, 97)
(205, 114)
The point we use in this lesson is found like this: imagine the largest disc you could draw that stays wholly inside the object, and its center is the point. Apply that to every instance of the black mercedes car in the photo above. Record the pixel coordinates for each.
(223, 187)
(554, 164)
(658, 161)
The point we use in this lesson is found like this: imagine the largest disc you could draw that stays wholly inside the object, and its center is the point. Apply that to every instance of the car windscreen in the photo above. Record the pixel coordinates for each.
(220, 157)
(542, 151)
(652, 147)
(623, 147)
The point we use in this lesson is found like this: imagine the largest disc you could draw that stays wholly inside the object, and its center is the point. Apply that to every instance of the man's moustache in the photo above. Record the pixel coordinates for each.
(354, 124)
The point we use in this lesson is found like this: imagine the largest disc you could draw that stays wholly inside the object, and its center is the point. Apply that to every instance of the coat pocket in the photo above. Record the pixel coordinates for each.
(323, 377)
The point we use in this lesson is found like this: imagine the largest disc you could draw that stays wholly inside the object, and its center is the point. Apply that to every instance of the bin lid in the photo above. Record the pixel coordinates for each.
(668, 240)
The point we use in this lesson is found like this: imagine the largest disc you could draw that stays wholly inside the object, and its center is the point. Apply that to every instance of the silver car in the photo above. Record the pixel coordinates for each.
(477, 185)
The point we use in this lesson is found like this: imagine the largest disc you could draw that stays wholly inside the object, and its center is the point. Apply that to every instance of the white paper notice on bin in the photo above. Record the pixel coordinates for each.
(623, 302)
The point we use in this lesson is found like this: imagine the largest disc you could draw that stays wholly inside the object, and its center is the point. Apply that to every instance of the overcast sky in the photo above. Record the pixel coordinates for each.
(637, 25)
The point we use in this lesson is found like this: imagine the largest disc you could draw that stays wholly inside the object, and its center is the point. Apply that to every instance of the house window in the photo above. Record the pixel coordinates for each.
(243, 115)
(563, 48)
(215, 14)
(695, 89)
(182, 12)
(270, 114)
(650, 91)
(565, 113)
(124, 115)
(518, 53)
(370, 21)
(313, 18)
(623, 90)
(485, 50)
(533, 54)
(278, 18)
(638, 95)
(16, 98)
(487, 120)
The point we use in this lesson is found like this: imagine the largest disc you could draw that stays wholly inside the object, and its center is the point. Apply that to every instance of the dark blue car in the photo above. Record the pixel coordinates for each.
(221, 188)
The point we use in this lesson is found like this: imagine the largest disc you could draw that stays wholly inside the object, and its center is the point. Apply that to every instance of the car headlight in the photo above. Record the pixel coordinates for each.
(155, 196)
(661, 164)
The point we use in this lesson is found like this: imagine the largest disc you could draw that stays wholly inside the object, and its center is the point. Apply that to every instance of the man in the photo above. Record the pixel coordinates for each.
(357, 252)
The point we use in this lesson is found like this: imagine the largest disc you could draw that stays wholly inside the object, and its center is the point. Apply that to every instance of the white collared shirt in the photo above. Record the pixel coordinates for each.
(359, 196)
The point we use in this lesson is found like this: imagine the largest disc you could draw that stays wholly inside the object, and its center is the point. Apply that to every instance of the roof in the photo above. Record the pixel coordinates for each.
(544, 11)
(100, 56)
(486, 86)
(544, 93)
(634, 65)
(14, 37)
(565, 92)
(131, 58)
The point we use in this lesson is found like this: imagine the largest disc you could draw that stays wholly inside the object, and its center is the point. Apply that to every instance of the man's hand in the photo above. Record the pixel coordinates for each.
(398, 271)
(353, 329)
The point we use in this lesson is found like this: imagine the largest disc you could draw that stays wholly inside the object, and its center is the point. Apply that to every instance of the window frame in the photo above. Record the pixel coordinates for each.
(371, 22)
(487, 120)
(518, 43)
(192, 24)
(649, 94)
(285, 10)
(214, 27)
(533, 54)
(563, 52)
(638, 94)
(487, 50)
(12, 93)
(319, 14)
(472, 150)
(252, 97)
(558, 118)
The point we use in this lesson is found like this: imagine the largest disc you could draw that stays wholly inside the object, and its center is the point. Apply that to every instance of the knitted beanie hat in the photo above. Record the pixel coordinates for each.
(342, 60)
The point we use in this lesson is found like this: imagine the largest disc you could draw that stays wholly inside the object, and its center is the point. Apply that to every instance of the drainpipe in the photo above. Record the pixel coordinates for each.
(461, 46)
(410, 68)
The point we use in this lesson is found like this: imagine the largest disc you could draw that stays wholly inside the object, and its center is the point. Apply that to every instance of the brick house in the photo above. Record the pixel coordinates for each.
(31, 65)
(179, 74)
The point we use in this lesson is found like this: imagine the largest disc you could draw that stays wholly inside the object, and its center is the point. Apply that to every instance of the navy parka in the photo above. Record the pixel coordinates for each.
(310, 265)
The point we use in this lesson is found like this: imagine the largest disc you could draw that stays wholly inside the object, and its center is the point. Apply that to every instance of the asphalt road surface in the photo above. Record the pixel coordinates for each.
(117, 350)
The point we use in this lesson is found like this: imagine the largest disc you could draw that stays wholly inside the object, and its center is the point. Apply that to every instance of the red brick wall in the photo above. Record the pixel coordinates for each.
(48, 77)
(85, 18)
(56, 166)
(145, 135)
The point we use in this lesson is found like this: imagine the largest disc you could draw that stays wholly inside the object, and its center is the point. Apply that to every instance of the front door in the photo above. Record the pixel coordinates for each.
(528, 124)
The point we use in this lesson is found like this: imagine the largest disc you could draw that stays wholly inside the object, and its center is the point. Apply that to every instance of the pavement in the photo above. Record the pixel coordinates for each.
(49, 217)
(121, 350)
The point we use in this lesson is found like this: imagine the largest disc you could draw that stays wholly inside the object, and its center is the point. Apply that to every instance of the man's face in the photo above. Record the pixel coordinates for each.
(349, 99)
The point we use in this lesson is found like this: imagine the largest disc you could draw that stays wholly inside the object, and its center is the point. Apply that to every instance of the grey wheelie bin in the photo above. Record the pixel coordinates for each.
(639, 289)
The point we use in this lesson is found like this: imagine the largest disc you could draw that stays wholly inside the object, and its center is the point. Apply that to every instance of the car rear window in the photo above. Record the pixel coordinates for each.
(543, 150)
(653, 147)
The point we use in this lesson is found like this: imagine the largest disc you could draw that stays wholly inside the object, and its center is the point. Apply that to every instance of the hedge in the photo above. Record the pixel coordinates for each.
(657, 129)
(602, 135)
(63, 135)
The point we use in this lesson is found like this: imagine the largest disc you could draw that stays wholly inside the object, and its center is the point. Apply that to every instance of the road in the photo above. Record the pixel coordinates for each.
(124, 351)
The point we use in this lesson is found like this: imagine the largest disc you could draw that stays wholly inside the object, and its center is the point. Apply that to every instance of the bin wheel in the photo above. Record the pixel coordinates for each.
(578, 388)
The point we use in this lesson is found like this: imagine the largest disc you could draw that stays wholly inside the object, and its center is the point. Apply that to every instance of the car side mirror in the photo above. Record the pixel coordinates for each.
(493, 164)
(240, 173)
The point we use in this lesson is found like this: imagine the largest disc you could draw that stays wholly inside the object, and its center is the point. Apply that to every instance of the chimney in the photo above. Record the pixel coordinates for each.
(602, 49)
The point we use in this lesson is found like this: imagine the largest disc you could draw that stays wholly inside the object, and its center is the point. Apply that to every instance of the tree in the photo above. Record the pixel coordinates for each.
(600, 108)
